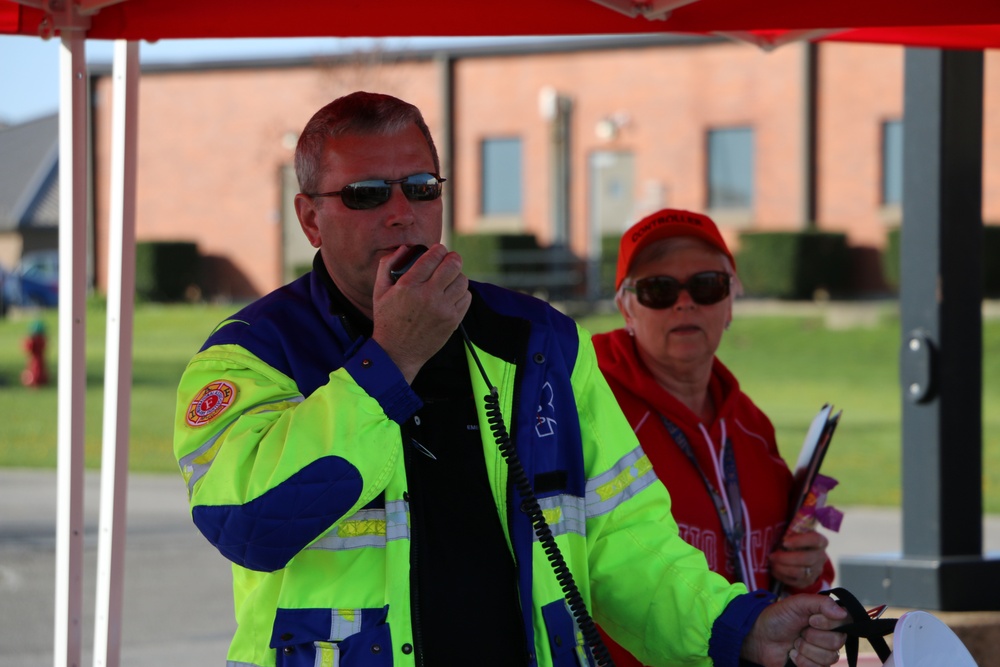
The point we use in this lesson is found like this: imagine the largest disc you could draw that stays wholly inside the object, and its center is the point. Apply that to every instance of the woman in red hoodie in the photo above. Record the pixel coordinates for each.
(710, 445)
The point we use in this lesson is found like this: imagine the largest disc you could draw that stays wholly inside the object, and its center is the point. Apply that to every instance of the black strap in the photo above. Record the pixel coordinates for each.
(862, 625)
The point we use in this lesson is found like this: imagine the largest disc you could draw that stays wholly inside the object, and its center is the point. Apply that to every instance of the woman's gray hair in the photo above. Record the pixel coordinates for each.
(358, 113)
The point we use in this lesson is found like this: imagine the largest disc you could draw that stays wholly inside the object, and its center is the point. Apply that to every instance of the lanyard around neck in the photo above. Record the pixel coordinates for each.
(730, 517)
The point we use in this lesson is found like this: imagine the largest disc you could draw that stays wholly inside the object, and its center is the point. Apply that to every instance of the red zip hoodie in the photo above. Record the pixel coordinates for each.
(764, 478)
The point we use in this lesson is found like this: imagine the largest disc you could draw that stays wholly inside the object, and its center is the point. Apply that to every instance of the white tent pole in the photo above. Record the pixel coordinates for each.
(72, 337)
(118, 359)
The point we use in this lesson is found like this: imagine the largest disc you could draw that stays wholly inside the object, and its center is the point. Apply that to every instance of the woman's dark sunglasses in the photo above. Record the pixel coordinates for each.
(660, 292)
(375, 192)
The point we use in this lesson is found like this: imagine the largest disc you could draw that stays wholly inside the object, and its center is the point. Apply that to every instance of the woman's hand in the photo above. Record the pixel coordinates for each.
(800, 559)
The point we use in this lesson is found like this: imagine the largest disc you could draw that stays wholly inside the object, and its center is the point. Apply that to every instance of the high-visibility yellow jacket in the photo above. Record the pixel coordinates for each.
(288, 436)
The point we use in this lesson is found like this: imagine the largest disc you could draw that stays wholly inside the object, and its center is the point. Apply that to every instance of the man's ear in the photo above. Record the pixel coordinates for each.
(305, 210)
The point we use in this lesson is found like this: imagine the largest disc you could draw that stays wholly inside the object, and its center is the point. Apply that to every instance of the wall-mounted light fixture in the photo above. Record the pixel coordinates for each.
(548, 102)
(610, 126)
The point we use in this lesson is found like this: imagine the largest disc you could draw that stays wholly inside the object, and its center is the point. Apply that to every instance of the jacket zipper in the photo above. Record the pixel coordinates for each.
(418, 656)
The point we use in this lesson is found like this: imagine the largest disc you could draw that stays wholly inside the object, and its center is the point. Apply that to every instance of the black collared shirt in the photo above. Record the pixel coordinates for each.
(463, 576)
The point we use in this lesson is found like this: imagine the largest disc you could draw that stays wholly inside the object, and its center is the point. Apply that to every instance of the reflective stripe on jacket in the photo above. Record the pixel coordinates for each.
(288, 435)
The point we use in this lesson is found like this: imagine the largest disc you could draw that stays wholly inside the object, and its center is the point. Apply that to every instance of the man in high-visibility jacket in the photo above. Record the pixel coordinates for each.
(338, 450)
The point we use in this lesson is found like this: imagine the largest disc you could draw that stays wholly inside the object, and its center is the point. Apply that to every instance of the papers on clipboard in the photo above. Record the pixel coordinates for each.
(809, 488)
(811, 457)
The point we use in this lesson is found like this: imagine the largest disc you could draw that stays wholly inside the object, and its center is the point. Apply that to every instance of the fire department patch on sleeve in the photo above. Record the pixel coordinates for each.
(211, 401)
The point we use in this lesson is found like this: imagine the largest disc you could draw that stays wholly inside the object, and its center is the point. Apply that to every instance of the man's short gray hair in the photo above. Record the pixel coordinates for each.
(357, 113)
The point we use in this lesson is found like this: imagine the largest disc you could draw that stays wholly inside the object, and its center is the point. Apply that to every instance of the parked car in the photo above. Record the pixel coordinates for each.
(33, 282)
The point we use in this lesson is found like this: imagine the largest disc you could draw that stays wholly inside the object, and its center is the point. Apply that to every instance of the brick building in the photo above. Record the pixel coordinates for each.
(569, 140)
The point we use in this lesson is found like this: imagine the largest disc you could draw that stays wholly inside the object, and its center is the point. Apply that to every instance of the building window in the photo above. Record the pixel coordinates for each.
(730, 168)
(501, 177)
(892, 163)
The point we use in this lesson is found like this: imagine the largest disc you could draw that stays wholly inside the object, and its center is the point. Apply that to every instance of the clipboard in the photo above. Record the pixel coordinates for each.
(814, 448)
(811, 456)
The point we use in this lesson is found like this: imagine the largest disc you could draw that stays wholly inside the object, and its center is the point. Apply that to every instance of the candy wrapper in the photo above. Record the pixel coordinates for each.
(815, 510)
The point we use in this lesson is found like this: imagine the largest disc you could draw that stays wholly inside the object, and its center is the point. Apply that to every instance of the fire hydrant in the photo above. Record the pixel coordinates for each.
(35, 373)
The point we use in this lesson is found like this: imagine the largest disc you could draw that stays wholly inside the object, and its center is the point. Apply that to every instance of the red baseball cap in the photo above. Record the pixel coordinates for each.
(665, 224)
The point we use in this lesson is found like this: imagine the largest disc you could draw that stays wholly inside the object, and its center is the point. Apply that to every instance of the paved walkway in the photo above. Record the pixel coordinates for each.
(178, 601)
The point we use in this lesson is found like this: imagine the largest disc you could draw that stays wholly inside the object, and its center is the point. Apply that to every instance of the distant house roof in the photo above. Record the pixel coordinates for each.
(29, 174)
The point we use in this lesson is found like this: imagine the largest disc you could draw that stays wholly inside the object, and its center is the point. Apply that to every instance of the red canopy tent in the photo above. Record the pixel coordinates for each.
(958, 24)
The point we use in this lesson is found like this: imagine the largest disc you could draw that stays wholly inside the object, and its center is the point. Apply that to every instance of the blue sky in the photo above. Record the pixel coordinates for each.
(29, 66)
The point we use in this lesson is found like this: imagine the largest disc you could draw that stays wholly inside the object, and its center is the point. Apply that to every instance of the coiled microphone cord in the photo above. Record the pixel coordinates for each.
(534, 511)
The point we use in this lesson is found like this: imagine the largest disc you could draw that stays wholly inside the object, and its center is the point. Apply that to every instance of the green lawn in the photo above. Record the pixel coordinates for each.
(790, 365)
(165, 338)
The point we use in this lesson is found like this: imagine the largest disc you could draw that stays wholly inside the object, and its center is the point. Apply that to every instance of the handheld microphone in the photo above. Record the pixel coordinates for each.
(406, 261)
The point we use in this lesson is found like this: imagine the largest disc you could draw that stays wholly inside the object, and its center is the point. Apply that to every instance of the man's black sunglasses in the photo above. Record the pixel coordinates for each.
(375, 192)
(660, 292)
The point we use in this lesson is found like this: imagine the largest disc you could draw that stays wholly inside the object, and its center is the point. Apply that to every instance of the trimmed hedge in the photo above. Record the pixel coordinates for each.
(166, 270)
(890, 259)
(991, 264)
(991, 261)
(609, 264)
(793, 265)
(482, 253)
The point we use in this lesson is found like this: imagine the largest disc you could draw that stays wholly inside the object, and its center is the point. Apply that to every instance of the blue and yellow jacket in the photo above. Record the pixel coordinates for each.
(288, 435)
